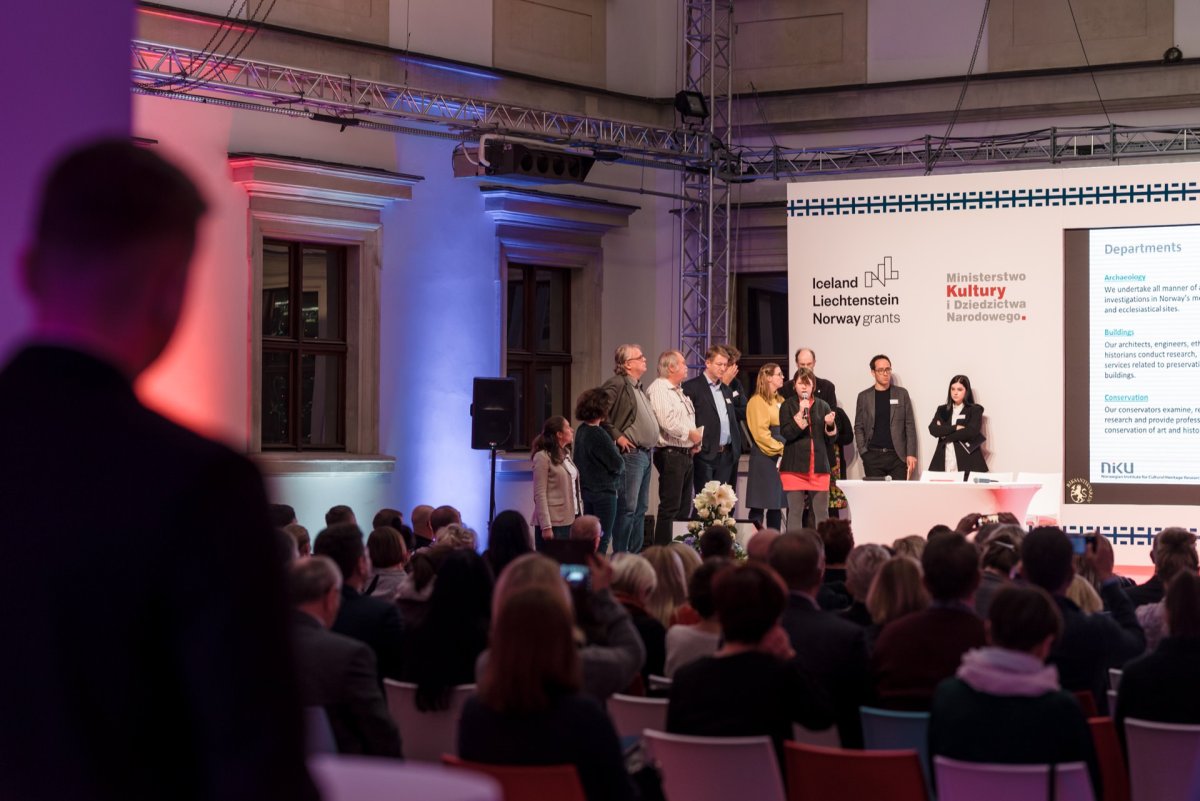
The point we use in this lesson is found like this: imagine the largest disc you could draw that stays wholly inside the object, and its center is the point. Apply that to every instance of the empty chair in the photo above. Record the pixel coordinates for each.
(977, 781)
(318, 734)
(888, 730)
(528, 782)
(815, 773)
(826, 738)
(1113, 774)
(345, 778)
(715, 768)
(426, 735)
(632, 714)
(1162, 759)
(1114, 678)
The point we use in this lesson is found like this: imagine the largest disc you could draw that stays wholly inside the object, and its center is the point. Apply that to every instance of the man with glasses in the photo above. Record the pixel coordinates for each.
(632, 425)
(885, 432)
(716, 413)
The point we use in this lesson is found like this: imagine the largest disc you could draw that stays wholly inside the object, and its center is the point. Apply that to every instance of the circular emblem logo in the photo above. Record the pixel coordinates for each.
(1079, 490)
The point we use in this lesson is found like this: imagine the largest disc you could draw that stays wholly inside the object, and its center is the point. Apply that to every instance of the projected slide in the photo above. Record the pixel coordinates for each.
(1132, 341)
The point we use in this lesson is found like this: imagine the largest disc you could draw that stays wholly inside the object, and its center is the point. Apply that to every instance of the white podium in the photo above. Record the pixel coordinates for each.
(883, 511)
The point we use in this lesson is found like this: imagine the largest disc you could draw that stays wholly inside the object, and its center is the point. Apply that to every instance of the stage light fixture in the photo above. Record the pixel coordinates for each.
(1172, 54)
(691, 105)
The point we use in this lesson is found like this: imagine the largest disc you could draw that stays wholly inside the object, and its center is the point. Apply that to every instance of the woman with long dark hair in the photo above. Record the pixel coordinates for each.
(529, 709)
(508, 538)
(958, 427)
(556, 497)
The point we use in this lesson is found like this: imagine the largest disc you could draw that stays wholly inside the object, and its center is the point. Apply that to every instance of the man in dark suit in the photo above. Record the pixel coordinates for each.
(336, 672)
(831, 650)
(717, 458)
(885, 431)
(823, 387)
(371, 620)
(147, 652)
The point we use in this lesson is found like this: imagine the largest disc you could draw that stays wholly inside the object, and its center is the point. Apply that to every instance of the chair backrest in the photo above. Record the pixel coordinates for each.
(815, 773)
(975, 781)
(355, 778)
(889, 730)
(1087, 702)
(1114, 678)
(1162, 759)
(715, 768)
(658, 684)
(826, 738)
(528, 782)
(1113, 773)
(318, 733)
(426, 735)
(940, 476)
(632, 714)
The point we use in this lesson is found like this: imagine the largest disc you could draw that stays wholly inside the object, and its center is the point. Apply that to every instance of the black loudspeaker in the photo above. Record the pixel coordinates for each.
(493, 413)
(525, 161)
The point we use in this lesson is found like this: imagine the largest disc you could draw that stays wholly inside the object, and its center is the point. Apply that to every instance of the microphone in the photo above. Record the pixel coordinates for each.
(804, 404)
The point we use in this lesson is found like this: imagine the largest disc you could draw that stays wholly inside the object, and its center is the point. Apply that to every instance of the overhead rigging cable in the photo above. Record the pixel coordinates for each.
(963, 93)
(1086, 61)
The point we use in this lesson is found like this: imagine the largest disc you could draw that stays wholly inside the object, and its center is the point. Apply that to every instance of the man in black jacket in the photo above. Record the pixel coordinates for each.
(146, 649)
(717, 459)
(337, 673)
(1090, 644)
(371, 620)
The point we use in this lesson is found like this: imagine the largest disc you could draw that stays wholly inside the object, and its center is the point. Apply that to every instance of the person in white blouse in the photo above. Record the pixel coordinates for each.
(958, 425)
(678, 439)
(556, 498)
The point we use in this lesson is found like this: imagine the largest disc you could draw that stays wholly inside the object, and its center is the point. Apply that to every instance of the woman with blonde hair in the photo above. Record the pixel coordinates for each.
(688, 556)
(764, 490)
(898, 590)
(671, 591)
(530, 708)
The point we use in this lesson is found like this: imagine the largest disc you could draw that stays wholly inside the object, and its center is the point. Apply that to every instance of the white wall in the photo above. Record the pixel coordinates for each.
(456, 29)
(929, 39)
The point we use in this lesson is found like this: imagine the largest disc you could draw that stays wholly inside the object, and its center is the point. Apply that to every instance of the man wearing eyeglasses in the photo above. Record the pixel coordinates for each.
(885, 432)
(632, 425)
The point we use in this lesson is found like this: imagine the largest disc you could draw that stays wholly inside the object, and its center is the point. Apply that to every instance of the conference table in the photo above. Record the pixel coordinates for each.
(883, 511)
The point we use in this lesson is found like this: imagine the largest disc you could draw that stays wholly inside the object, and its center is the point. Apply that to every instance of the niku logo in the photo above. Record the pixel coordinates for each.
(1116, 468)
(884, 272)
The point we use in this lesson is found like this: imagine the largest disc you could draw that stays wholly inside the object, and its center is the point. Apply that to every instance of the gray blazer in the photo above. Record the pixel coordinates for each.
(904, 425)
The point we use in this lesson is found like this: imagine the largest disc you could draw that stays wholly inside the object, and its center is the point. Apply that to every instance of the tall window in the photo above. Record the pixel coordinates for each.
(539, 346)
(762, 324)
(303, 346)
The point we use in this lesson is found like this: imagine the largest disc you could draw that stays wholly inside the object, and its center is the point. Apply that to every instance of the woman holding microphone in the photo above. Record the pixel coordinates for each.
(805, 423)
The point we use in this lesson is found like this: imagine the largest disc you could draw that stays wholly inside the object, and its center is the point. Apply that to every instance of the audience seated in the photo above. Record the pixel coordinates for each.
(1000, 555)
(389, 562)
(1161, 685)
(1090, 644)
(915, 652)
(688, 642)
(422, 525)
(300, 535)
(388, 517)
(752, 686)
(612, 653)
(415, 588)
(282, 515)
(832, 650)
(508, 538)
(688, 557)
(1084, 595)
(862, 565)
(716, 541)
(911, 546)
(1173, 552)
(337, 515)
(288, 551)
(456, 535)
(443, 516)
(586, 528)
(838, 539)
(337, 672)
(671, 590)
(633, 583)
(1005, 705)
(442, 650)
(530, 709)
(759, 545)
(898, 590)
(371, 620)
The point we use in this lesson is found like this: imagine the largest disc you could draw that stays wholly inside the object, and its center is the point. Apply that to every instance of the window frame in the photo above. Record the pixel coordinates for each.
(529, 358)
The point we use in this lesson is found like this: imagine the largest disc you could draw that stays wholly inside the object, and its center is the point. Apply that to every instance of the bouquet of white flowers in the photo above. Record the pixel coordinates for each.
(714, 504)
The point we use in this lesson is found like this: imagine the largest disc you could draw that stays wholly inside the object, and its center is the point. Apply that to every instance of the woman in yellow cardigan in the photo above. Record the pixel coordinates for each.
(763, 488)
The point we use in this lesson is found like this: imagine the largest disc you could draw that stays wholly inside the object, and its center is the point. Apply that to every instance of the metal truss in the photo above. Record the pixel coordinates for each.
(704, 217)
(174, 71)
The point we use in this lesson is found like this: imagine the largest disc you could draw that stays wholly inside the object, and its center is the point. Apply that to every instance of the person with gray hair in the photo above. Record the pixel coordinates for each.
(337, 673)
(634, 428)
(634, 581)
(862, 564)
(678, 439)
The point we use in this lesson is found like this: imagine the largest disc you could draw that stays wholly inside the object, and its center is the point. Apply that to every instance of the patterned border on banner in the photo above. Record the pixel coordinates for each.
(1122, 535)
(1043, 197)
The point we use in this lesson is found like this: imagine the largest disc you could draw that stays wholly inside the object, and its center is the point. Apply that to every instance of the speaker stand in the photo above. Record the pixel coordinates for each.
(492, 500)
